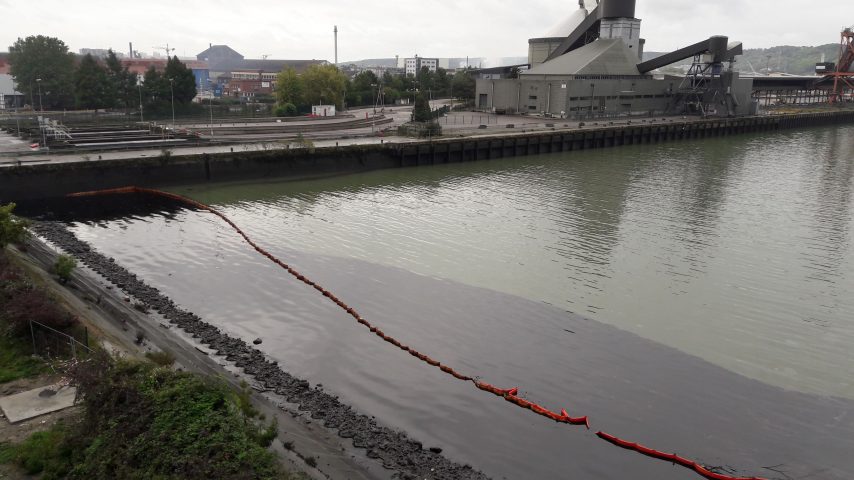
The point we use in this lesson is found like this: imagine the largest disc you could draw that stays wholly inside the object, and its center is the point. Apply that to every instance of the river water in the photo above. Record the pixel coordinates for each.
(692, 296)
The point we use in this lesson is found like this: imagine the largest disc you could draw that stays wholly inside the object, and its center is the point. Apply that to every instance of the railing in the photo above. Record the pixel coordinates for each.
(51, 343)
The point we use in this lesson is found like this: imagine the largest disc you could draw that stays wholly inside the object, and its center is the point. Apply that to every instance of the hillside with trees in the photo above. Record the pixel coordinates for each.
(781, 59)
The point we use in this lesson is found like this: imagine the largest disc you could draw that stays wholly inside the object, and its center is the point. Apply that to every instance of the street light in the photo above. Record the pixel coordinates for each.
(139, 87)
(41, 107)
(172, 89)
(210, 103)
(39, 83)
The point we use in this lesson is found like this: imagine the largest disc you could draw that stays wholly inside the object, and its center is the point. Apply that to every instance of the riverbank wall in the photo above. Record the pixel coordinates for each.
(21, 183)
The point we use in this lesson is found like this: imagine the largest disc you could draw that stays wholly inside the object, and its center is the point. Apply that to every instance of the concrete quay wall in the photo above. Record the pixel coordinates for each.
(41, 181)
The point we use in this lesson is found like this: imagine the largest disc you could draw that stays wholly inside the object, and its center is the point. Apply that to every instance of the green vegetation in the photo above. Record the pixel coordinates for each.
(47, 59)
(421, 111)
(163, 359)
(91, 87)
(12, 229)
(17, 360)
(289, 87)
(21, 301)
(159, 89)
(64, 266)
(43, 452)
(92, 83)
(143, 421)
(324, 84)
(287, 110)
(786, 59)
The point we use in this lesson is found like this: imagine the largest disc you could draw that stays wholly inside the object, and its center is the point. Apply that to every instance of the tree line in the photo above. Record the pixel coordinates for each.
(325, 84)
(52, 78)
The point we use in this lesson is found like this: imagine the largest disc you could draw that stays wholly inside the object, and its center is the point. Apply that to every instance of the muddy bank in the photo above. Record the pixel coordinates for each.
(395, 450)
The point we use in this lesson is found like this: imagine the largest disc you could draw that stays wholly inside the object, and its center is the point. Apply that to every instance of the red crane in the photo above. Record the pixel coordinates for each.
(843, 77)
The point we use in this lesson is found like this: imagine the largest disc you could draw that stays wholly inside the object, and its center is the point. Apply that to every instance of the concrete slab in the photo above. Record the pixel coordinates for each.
(34, 403)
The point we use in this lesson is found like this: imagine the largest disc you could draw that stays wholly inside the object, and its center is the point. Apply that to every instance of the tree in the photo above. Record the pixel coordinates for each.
(92, 89)
(464, 85)
(442, 83)
(12, 228)
(425, 79)
(63, 267)
(182, 79)
(324, 84)
(362, 91)
(289, 87)
(122, 82)
(421, 112)
(155, 88)
(48, 59)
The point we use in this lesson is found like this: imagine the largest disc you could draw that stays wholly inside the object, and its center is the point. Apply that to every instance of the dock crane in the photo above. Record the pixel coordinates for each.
(843, 77)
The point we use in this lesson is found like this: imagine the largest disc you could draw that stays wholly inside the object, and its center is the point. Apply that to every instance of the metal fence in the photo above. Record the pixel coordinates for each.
(51, 343)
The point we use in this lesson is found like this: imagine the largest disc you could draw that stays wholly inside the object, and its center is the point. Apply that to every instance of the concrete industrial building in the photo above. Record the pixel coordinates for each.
(591, 65)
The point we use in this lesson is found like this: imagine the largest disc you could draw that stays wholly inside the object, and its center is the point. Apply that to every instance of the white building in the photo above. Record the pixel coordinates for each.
(414, 65)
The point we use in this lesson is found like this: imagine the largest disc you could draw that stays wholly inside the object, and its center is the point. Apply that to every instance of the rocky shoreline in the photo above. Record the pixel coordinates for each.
(393, 449)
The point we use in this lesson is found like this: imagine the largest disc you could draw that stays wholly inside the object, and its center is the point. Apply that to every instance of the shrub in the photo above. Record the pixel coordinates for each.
(12, 228)
(64, 266)
(143, 421)
(43, 452)
(163, 359)
(287, 110)
(29, 303)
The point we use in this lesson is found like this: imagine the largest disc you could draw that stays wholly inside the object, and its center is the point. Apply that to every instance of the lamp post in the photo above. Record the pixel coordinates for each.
(210, 104)
(39, 83)
(139, 87)
(172, 90)
(41, 119)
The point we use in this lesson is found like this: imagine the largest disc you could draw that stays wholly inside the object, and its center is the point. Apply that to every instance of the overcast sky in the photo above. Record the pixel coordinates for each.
(302, 29)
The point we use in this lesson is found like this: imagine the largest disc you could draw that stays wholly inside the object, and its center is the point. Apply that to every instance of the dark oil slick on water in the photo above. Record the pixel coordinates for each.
(710, 281)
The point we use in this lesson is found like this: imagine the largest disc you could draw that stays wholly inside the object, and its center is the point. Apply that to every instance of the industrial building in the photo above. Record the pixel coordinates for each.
(232, 75)
(591, 65)
(414, 65)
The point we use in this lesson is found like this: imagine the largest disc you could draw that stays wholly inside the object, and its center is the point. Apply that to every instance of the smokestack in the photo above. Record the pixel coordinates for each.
(130, 45)
(336, 44)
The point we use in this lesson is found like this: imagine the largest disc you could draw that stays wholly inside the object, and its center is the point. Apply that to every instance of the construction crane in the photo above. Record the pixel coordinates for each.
(166, 49)
(843, 77)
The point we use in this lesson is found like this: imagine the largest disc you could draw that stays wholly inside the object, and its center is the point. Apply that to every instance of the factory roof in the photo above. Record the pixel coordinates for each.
(602, 57)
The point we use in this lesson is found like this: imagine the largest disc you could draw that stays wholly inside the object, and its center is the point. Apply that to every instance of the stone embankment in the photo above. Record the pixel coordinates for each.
(394, 449)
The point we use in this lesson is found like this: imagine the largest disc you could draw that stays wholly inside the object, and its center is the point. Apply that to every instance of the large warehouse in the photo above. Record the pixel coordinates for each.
(591, 66)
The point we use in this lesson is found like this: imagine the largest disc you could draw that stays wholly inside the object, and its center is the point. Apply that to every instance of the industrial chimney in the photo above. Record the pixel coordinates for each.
(336, 44)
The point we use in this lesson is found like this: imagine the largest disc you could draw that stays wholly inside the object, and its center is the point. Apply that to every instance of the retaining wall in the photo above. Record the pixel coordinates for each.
(33, 182)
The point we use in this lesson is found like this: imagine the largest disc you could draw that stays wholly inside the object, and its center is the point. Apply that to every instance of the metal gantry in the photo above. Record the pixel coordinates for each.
(843, 77)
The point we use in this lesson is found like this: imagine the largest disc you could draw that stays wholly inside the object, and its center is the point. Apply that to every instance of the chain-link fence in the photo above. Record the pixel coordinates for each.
(51, 343)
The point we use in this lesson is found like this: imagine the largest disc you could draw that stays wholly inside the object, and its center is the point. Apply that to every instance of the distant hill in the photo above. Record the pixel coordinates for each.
(456, 62)
(781, 59)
